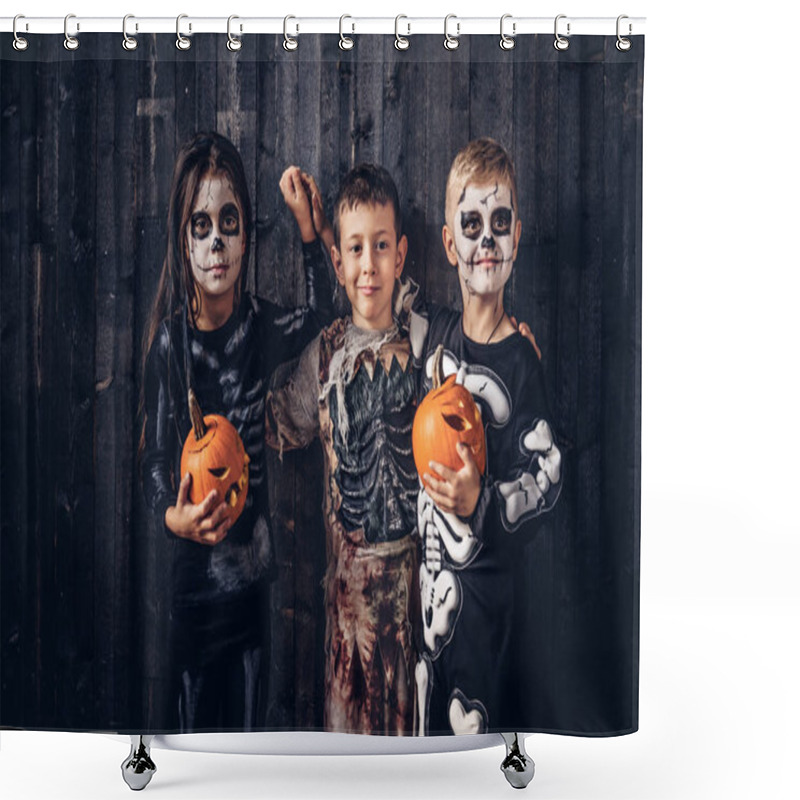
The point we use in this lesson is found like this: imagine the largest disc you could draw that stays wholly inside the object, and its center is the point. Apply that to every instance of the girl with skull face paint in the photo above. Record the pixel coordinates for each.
(209, 334)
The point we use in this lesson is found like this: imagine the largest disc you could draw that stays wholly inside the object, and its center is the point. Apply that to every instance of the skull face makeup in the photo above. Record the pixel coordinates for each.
(215, 237)
(485, 233)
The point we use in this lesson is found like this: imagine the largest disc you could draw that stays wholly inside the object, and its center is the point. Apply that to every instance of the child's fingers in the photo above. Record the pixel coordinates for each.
(289, 182)
(291, 170)
(443, 472)
(206, 506)
(183, 489)
(312, 184)
(297, 182)
(465, 454)
(217, 517)
(443, 501)
(443, 488)
(214, 537)
(430, 482)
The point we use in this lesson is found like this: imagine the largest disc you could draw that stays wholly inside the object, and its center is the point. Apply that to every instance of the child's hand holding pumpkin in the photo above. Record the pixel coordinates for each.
(205, 523)
(455, 491)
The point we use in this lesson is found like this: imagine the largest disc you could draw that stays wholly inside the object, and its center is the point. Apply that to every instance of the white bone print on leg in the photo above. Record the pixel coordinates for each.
(441, 602)
(466, 716)
(440, 589)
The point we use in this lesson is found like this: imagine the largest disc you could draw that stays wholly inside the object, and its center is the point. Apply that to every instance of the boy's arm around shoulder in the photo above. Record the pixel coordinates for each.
(292, 408)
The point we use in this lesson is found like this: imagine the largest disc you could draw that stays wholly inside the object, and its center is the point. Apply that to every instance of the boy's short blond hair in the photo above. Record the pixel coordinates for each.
(482, 161)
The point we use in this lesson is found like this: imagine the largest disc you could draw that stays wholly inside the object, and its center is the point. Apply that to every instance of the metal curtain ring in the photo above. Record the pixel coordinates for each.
(70, 42)
(20, 43)
(289, 42)
(451, 42)
(561, 43)
(401, 42)
(234, 42)
(182, 43)
(345, 42)
(507, 42)
(623, 44)
(128, 42)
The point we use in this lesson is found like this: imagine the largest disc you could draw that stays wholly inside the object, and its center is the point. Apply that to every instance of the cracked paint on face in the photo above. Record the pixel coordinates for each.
(483, 227)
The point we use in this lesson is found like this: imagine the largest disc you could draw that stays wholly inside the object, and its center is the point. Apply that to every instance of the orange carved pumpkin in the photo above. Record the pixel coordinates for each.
(214, 455)
(446, 416)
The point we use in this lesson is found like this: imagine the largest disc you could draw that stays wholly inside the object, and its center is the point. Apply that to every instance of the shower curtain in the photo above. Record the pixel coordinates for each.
(110, 620)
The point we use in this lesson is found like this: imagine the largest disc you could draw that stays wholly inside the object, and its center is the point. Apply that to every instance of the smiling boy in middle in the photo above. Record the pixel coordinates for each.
(354, 387)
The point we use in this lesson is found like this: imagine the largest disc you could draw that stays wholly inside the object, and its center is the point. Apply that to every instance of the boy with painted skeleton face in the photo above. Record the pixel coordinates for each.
(470, 524)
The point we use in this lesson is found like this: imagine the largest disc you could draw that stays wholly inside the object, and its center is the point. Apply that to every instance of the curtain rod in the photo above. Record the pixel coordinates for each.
(298, 25)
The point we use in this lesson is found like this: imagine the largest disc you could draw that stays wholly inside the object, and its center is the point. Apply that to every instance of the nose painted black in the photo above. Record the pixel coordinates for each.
(217, 245)
(488, 242)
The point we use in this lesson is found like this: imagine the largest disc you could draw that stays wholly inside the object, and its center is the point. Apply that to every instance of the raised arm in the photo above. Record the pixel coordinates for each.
(302, 197)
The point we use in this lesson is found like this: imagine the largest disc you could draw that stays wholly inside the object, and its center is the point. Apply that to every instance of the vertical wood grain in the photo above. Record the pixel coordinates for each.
(87, 150)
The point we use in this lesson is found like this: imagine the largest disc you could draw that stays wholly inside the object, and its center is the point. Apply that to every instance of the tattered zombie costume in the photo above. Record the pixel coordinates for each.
(218, 610)
(355, 389)
(465, 676)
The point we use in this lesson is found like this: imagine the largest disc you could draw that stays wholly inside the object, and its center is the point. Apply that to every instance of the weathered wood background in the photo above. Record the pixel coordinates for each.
(86, 154)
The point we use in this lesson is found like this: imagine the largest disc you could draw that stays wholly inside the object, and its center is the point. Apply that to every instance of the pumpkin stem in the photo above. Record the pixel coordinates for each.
(437, 368)
(197, 416)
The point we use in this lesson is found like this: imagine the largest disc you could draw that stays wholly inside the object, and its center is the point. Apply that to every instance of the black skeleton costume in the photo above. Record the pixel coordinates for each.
(464, 678)
(216, 618)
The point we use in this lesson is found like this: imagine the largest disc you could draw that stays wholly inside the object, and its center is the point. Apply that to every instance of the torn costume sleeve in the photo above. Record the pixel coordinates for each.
(292, 410)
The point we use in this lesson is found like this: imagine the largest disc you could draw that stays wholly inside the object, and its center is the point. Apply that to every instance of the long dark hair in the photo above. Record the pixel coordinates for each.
(204, 154)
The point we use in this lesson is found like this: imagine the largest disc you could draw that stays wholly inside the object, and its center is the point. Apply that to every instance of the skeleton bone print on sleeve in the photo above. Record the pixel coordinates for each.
(537, 489)
(450, 543)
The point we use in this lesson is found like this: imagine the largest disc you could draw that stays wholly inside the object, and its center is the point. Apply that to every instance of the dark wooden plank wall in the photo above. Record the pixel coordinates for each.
(88, 145)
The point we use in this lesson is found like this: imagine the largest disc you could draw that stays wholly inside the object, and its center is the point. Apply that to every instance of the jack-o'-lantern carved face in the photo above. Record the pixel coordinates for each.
(214, 455)
(446, 416)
